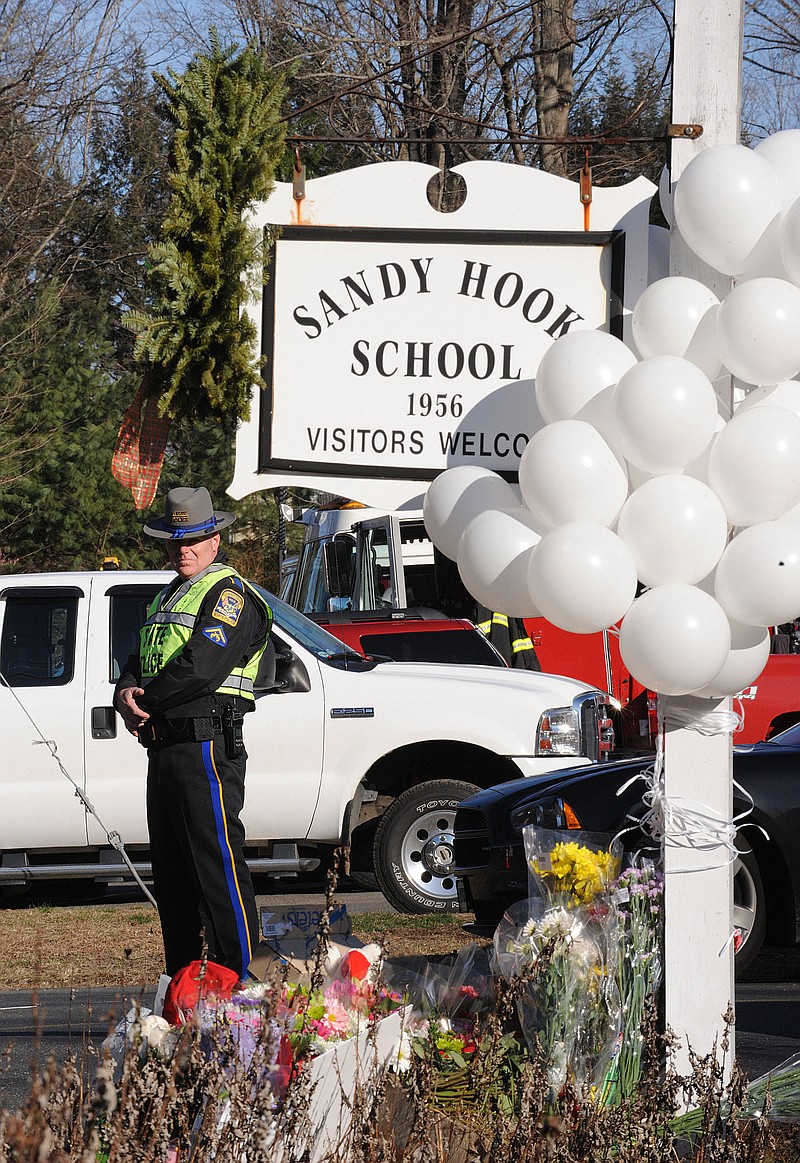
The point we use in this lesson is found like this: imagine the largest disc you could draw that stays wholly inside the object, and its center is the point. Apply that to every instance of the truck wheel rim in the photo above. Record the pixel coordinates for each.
(427, 854)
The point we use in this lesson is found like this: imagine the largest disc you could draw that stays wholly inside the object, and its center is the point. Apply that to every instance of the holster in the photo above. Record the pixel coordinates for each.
(232, 733)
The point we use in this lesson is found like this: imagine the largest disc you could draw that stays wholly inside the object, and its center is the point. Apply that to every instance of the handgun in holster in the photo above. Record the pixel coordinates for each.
(232, 733)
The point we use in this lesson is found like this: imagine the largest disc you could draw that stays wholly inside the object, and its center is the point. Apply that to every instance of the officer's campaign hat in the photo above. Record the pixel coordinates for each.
(188, 513)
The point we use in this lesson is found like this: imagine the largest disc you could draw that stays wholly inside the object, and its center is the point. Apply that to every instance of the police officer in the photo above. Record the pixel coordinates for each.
(184, 694)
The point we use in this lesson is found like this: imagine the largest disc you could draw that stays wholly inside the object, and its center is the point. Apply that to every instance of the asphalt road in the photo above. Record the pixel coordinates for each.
(75, 1021)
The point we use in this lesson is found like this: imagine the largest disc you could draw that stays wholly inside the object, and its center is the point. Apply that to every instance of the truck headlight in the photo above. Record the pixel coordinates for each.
(559, 732)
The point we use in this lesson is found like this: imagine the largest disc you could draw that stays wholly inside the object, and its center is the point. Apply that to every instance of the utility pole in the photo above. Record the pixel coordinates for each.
(699, 978)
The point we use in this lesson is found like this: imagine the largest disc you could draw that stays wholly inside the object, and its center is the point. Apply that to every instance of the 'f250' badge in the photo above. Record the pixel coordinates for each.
(229, 607)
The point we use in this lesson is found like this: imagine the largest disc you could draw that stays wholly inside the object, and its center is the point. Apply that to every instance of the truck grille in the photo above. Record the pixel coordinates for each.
(471, 840)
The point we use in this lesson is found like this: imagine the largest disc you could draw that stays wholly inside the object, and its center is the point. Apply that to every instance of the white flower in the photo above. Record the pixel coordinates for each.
(560, 924)
(257, 990)
(404, 1055)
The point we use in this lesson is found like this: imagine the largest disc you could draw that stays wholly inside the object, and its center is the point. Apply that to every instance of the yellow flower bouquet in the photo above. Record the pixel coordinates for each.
(576, 867)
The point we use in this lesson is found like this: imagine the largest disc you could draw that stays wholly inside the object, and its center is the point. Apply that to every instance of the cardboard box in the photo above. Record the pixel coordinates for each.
(269, 963)
(293, 931)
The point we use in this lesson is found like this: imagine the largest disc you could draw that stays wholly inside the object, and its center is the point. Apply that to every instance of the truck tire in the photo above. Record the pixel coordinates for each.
(749, 910)
(413, 849)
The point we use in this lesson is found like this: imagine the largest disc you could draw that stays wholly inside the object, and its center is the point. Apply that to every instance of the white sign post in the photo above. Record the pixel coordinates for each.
(698, 768)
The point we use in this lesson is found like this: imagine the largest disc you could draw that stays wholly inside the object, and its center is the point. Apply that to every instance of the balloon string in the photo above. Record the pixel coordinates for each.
(678, 822)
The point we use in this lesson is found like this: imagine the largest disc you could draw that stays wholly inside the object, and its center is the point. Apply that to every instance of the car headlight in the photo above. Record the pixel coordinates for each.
(553, 813)
(559, 732)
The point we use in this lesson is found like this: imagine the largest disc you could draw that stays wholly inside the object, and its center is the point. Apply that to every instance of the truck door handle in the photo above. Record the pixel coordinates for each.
(104, 723)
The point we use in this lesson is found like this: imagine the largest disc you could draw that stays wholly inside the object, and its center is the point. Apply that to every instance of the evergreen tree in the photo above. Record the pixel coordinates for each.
(199, 346)
(62, 509)
(128, 196)
(624, 106)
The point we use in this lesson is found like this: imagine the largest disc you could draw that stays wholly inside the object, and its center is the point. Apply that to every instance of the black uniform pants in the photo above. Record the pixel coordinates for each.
(195, 795)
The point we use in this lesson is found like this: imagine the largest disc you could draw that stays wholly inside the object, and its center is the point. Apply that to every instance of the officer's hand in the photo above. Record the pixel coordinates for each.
(132, 714)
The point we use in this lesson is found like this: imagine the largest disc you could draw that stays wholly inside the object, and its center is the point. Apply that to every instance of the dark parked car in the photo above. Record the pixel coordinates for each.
(490, 860)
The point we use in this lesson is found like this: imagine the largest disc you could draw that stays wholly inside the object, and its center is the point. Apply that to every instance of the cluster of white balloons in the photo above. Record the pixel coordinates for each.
(638, 484)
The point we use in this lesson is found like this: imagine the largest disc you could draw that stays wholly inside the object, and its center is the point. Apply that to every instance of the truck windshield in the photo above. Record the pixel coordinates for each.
(321, 644)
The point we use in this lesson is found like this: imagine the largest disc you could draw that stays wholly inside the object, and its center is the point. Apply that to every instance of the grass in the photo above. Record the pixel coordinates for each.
(120, 945)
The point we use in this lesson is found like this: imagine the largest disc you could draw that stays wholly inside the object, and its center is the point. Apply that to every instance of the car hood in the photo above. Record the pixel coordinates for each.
(555, 689)
(518, 791)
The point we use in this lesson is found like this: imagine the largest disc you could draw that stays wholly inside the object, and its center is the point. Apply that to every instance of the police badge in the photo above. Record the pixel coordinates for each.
(229, 607)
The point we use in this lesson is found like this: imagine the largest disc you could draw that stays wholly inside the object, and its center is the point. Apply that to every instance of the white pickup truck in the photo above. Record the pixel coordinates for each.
(343, 750)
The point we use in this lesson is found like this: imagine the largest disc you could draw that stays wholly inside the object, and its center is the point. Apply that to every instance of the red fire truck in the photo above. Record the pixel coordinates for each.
(360, 559)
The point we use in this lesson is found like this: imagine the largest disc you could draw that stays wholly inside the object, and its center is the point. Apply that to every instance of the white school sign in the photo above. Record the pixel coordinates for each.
(400, 341)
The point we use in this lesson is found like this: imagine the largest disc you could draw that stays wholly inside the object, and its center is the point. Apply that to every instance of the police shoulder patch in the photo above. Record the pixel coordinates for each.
(216, 635)
(229, 607)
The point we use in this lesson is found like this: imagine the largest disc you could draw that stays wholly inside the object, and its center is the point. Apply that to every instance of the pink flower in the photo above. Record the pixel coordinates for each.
(334, 1023)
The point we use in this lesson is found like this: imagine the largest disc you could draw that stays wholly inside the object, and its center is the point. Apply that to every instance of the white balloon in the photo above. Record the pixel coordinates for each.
(458, 495)
(666, 412)
(792, 515)
(766, 258)
(758, 577)
(747, 658)
(724, 201)
(783, 395)
(758, 325)
(754, 465)
(699, 468)
(676, 529)
(677, 316)
(789, 241)
(582, 577)
(569, 473)
(675, 639)
(575, 368)
(782, 153)
(599, 412)
(494, 553)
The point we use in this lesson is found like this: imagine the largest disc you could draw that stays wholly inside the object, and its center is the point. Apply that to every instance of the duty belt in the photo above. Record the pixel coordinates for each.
(189, 730)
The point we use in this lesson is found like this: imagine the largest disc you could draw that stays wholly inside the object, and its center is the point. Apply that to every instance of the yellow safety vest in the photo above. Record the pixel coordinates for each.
(171, 622)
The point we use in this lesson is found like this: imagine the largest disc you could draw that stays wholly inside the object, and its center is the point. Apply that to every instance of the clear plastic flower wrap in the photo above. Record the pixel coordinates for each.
(452, 987)
(569, 1007)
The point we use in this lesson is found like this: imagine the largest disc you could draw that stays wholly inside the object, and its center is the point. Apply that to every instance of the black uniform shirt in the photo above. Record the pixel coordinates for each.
(187, 684)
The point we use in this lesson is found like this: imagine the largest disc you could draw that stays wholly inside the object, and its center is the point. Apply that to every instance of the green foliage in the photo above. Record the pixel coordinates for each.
(128, 195)
(61, 508)
(227, 144)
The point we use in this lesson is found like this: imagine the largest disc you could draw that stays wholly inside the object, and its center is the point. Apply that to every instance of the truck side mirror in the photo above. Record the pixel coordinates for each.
(338, 566)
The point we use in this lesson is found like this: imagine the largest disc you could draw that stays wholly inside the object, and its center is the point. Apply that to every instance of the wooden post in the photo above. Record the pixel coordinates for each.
(698, 769)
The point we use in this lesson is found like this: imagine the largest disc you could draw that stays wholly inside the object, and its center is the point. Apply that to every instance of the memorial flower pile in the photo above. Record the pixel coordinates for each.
(285, 1022)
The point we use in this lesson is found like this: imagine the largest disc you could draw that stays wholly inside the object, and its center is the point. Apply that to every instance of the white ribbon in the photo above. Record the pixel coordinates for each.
(677, 821)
